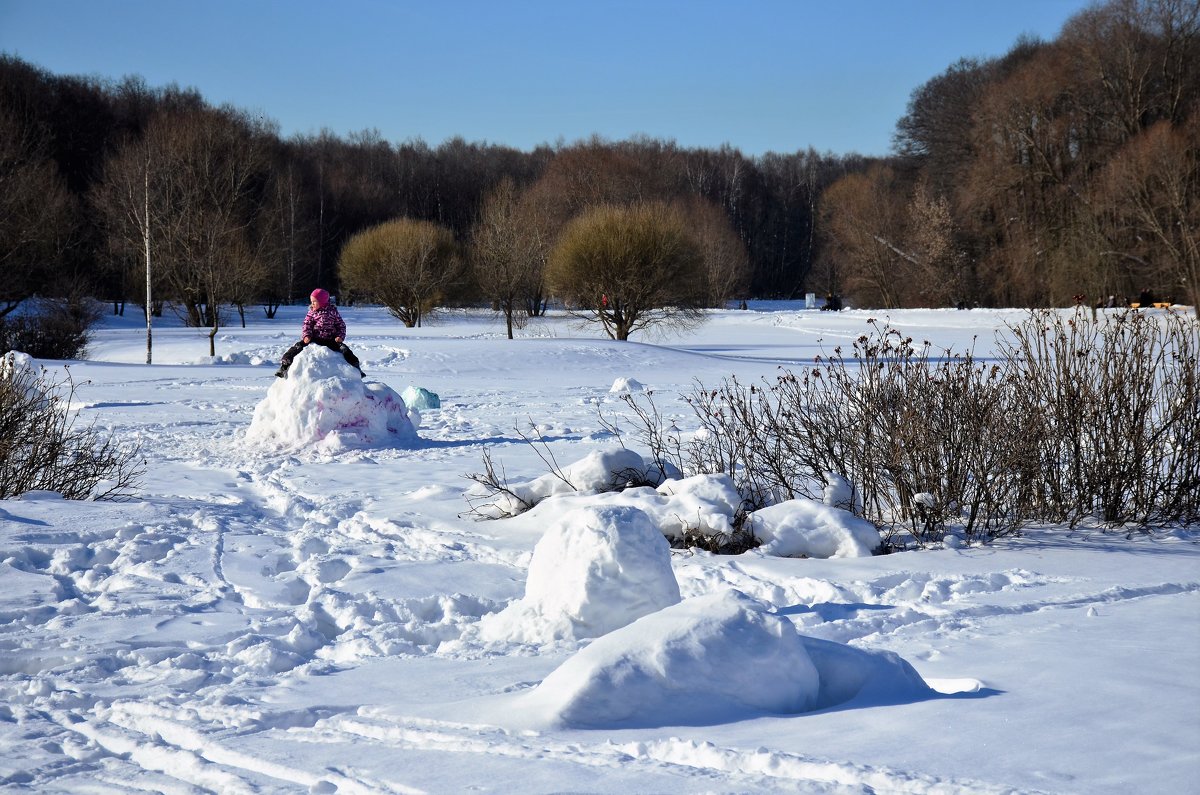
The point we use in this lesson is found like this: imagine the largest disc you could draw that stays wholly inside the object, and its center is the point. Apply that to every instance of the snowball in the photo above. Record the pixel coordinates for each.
(809, 528)
(324, 402)
(710, 659)
(420, 398)
(595, 570)
(622, 385)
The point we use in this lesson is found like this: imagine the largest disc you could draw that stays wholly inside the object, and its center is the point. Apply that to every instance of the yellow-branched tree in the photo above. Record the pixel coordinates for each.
(409, 266)
(630, 268)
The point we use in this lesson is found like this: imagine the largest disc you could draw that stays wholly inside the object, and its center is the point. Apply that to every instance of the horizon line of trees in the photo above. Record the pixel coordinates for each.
(1060, 169)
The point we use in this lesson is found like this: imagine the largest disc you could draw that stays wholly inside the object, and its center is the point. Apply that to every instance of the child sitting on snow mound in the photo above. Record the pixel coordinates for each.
(323, 325)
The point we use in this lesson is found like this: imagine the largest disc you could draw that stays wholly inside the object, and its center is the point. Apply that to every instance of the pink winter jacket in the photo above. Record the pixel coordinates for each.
(323, 323)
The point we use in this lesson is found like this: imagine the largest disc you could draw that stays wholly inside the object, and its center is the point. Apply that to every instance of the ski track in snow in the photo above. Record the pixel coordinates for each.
(253, 576)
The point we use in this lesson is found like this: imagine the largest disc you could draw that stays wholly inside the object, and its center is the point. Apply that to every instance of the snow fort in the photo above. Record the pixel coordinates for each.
(325, 404)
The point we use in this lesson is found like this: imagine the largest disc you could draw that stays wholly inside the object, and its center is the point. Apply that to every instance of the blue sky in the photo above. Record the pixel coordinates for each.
(760, 75)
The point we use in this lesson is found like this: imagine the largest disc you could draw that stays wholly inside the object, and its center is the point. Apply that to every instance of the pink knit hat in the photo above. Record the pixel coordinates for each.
(322, 296)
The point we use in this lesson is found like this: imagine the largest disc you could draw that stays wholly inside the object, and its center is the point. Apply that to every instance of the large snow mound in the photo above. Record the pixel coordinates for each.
(596, 569)
(714, 659)
(710, 659)
(325, 404)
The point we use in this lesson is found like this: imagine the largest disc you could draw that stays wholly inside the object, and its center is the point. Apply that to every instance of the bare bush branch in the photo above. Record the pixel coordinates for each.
(41, 449)
(497, 500)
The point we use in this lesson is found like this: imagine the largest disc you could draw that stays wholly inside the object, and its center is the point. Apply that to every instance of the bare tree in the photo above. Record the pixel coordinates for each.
(128, 200)
(1149, 199)
(35, 213)
(506, 262)
(863, 217)
(1132, 62)
(726, 263)
(194, 185)
(930, 239)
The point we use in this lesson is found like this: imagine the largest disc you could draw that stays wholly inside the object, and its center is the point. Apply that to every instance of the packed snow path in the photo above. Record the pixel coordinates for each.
(307, 620)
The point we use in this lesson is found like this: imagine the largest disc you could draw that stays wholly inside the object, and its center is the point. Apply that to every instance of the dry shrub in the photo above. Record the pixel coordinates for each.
(1114, 404)
(54, 329)
(1079, 419)
(41, 449)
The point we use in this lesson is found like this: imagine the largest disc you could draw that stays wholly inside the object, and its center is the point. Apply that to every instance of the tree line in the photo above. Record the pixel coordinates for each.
(1062, 171)
(88, 165)
(1059, 169)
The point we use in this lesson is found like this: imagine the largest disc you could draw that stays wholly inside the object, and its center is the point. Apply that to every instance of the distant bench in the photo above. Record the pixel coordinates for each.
(1156, 305)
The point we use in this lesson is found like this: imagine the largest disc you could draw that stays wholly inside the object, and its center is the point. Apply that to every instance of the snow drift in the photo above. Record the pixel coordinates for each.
(258, 622)
(325, 403)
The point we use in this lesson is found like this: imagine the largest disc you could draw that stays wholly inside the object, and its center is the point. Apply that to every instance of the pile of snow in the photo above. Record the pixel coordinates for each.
(710, 659)
(603, 570)
(623, 385)
(703, 503)
(595, 570)
(840, 493)
(325, 404)
(807, 528)
(713, 659)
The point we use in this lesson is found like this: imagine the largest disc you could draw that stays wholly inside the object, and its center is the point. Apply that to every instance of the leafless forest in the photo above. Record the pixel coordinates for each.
(1062, 171)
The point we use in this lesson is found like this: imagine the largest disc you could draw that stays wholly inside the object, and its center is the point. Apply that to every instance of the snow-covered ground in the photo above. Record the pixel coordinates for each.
(292, 607)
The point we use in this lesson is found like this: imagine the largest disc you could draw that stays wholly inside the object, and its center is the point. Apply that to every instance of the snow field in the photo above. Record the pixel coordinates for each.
(310, 618)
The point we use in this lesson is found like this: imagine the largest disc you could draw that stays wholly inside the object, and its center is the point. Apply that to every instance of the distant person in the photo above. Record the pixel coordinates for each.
(1146, 299)
(833, 303)
(323, 325)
